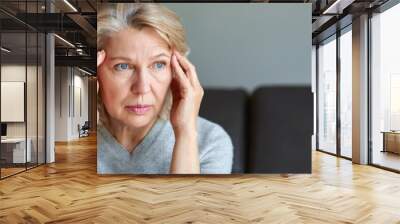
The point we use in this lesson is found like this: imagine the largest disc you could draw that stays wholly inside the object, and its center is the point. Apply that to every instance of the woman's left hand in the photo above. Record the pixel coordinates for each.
(187, 95)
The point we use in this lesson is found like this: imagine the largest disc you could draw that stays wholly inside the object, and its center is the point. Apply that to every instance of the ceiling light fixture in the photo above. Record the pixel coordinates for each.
(5, 49)
(86, 72)
(65, 41)
(70, 5)
(337, 7)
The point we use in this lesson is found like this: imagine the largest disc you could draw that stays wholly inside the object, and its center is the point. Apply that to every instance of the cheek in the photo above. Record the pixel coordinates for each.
(161, 86)
(112, 92)
(164, 76)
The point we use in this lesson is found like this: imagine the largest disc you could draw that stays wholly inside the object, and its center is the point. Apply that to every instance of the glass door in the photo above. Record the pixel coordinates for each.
(327, 95)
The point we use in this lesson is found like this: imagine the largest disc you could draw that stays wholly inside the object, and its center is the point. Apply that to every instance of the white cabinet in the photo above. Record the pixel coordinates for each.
(18, 149)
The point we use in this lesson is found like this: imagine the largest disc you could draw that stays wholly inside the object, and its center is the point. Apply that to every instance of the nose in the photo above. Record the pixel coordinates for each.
(141, 83)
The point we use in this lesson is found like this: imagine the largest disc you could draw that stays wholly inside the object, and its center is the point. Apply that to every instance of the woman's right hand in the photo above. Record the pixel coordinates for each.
(101, 55)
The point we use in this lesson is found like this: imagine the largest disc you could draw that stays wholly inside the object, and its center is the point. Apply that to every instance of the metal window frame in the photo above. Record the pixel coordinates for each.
(339, 32)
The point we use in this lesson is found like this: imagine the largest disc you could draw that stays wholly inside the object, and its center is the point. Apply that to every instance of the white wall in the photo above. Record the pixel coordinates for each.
(33, 127)
(12, 73)
(80, 84)
(61, 103)
(248, 44)
(68, 83)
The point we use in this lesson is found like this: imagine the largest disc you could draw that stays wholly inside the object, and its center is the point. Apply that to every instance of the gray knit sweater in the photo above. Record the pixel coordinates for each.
(154, 153)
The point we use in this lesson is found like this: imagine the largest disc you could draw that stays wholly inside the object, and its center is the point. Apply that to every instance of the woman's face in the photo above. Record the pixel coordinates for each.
(135, 76)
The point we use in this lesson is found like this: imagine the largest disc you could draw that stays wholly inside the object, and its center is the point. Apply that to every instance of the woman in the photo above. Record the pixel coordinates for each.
(149, 97)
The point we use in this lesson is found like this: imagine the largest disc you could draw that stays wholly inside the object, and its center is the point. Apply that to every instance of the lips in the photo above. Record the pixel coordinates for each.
(139, 109)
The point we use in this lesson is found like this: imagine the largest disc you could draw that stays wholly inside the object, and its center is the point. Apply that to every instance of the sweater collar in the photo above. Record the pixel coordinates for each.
(148, 139)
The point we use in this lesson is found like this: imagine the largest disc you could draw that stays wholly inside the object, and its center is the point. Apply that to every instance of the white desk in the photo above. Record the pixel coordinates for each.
(18, 148)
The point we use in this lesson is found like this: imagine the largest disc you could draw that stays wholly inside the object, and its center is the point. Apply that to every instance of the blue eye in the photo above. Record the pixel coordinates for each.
(159, 65)
(121, 67)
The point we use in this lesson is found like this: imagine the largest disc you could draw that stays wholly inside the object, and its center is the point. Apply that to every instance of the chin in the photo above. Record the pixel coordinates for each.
(139, 121)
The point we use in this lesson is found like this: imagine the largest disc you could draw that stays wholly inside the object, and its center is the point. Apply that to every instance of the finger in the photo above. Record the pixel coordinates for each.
(186, 65)
(175, 87)
(101, 55)
(179, 73)
(189, 68)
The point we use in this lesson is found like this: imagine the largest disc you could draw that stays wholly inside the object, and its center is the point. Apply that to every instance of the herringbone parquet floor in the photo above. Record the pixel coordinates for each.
(70, 191)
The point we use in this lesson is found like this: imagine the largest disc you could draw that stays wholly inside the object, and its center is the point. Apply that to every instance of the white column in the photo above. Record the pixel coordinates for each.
(360, 90)
(50, 93)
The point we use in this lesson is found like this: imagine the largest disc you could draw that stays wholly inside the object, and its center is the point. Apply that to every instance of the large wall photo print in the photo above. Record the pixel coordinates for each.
(211, 88)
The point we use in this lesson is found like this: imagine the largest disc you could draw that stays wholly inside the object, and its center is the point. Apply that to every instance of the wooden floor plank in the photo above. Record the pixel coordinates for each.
(70, 191)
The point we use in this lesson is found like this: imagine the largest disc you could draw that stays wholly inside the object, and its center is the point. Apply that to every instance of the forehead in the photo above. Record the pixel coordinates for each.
(134, 41)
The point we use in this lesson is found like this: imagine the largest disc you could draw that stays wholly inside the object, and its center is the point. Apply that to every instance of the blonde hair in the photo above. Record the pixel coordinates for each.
(115, 17)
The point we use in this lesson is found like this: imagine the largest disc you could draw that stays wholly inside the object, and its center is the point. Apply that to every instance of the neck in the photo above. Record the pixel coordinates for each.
(127, 136)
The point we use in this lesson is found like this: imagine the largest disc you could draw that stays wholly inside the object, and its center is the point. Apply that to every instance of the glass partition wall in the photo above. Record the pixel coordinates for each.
(22, 77)
(334, 92)
(327, 95)
(345, 61)
(385, 89)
